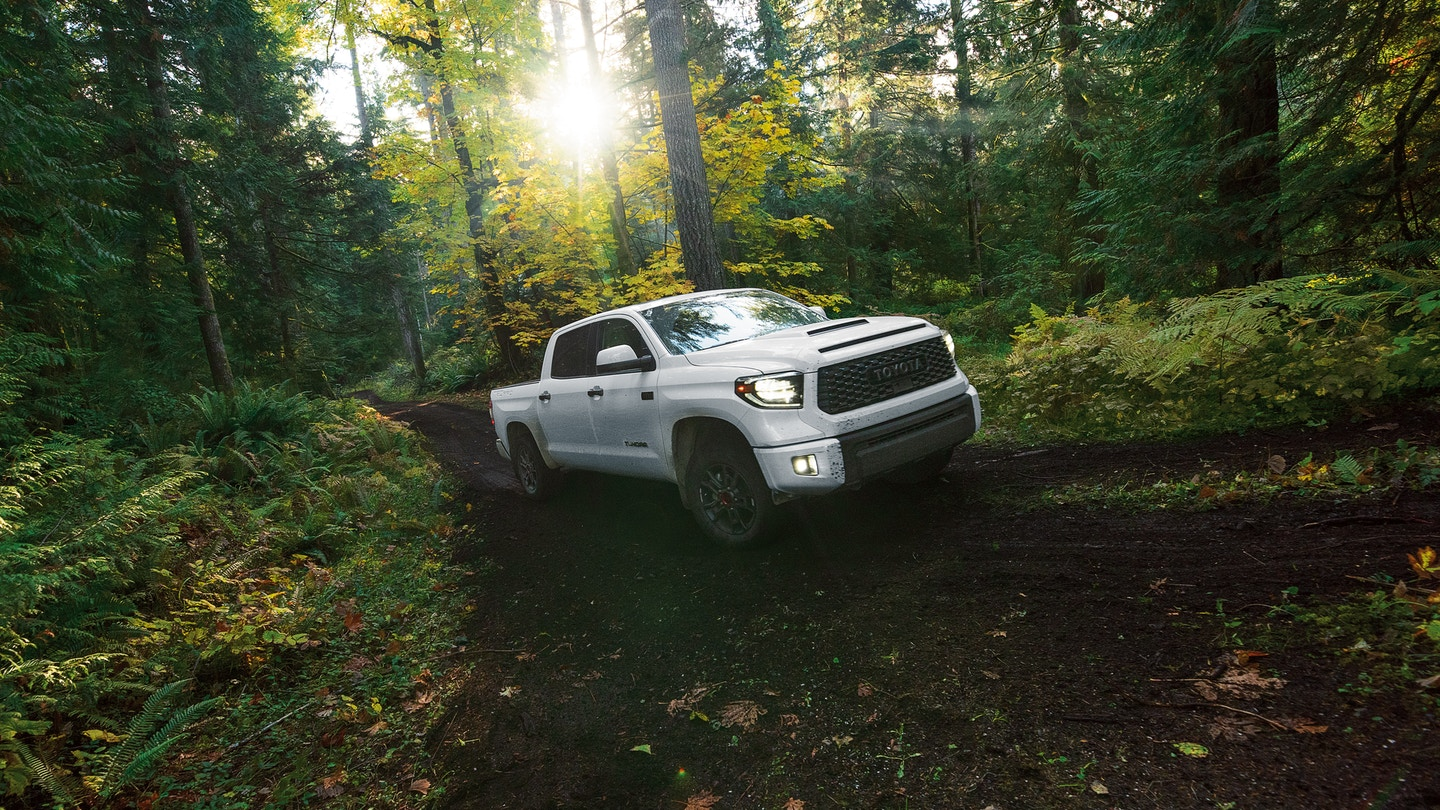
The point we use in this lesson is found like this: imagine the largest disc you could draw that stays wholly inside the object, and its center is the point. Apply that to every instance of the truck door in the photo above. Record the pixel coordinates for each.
(625, 408)
(565, 409)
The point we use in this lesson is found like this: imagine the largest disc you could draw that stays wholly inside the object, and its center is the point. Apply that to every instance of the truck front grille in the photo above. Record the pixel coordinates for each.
(868, 380)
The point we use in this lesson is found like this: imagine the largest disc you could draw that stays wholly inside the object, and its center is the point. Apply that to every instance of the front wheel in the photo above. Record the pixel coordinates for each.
(728, 495)
(536, 478)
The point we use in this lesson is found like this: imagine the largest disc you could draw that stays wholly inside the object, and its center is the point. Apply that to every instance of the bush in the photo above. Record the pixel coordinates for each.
(1288, 351)
(287, 538)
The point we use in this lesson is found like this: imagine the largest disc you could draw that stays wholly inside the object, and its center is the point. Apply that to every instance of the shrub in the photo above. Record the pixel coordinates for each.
(1285, 351)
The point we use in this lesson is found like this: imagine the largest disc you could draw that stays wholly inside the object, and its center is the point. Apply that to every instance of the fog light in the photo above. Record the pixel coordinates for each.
(804, 465)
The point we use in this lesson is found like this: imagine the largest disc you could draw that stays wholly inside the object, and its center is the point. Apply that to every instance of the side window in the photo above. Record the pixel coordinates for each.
(621, 332)
(572, 356)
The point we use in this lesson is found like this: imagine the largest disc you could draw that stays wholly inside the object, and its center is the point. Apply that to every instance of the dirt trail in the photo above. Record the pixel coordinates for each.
(929, 647)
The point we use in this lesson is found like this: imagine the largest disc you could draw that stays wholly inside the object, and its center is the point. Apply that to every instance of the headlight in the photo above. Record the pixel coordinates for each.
(949, 342)
(773, 390)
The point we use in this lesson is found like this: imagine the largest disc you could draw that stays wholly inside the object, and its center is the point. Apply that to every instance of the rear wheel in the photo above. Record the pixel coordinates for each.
(536, 478)
(728, 495)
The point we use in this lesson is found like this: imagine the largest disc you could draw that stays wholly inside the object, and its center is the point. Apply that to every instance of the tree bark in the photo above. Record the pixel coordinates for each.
(477, 187)
(179, 194)
(625, 261)
(965, 105)
(1075, 108)
(694, 216)
(1249, 175)
(393, 266)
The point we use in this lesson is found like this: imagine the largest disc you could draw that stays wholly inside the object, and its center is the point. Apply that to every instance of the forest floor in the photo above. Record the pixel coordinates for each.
(991, 640)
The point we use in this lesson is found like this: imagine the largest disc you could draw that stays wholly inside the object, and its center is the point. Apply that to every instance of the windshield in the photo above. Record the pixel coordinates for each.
(704, 323)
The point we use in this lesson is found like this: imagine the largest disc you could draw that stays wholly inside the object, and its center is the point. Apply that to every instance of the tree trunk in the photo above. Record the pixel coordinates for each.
(1075, 107)
(393, 266)
(625, 262)
(965, 104)
(1249, 176)
(476, 189)
(179, 194)
(688, 185)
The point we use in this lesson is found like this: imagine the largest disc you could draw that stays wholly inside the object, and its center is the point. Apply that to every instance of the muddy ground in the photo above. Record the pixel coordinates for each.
(939, 646)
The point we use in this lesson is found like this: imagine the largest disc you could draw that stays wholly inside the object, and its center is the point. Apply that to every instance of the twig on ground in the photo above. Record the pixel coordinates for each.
(1277, 725)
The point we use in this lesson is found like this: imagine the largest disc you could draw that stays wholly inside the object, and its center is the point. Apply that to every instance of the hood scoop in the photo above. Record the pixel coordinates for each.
(831, 327)
(867, 338)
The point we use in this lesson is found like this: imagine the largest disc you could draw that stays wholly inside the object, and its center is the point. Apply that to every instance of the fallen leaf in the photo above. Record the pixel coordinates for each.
(994, 676)
(1234, 728)
(1207, 492)
(1243, 657)
(703, 801)
(509, 691)
(1190, 749)
(1303, 725)
(741, 713)
(101, 735)
(421, 786)
(1428, 683)
(332, 739)
(644, 749)
(1386, 426)
(794, 804)
(794, 719)
(687, 701)
(1099, 789)
(841, 742)
(377, 728)
(354, 621)
(331, 786)
(1248, 683)
(1276, 464)
(865, 690)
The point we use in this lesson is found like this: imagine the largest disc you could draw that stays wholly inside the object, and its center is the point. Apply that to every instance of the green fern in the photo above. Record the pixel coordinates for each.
(1348, 468)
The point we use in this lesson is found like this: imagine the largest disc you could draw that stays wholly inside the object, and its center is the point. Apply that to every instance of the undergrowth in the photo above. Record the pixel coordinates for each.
(1297, 350)
(1389, 632)
(1403, 466)
(248, 603)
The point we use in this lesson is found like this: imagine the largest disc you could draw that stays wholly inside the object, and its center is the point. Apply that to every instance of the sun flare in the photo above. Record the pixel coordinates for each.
(573, 116)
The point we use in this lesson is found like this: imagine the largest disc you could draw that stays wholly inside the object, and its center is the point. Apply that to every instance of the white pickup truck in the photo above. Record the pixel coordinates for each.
(744, 398)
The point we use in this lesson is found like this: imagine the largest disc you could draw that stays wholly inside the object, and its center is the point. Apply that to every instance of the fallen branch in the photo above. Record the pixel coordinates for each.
(270, 725)
(1275, 724)
(1346, 521)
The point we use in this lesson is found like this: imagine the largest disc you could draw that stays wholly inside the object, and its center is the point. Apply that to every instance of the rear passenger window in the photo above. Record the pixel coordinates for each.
(621, 332)
(572, 354)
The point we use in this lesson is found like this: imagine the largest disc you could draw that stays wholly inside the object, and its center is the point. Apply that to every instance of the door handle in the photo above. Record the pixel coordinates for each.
(597, 391)
(544, 396)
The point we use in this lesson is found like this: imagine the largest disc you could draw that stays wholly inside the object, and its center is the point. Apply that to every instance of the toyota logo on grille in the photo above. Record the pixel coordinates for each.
(893, 371)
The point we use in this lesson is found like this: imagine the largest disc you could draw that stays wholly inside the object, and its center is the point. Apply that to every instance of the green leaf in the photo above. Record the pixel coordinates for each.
(1190, 749)
(644, 749)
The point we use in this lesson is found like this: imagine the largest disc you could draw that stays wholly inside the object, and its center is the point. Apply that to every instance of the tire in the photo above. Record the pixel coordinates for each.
(923, 469)
(537, 480)
(728, 495)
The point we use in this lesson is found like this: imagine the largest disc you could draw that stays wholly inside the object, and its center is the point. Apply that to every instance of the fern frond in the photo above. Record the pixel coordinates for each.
(64, 788)
(139, 729)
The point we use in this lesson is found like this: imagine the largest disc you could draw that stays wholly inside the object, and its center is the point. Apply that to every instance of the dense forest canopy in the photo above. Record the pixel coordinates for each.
(175, 211)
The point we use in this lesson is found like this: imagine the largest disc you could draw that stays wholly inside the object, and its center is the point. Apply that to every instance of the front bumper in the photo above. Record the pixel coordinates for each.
(864, 455)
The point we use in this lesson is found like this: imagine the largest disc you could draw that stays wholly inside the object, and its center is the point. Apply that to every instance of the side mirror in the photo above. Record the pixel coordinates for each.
(617, 359)
(819, 310)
